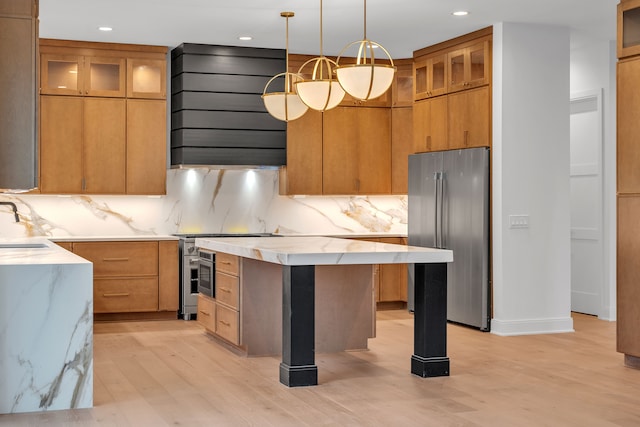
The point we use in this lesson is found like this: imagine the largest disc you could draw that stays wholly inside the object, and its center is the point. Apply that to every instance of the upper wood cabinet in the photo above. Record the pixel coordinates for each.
(430, 124)
(357, 151)
(97, 134)
(628, 102)
(468, 119)
(401, 147)
(82, 75)
(468, 66)
(303, 172)
(146, 78)
(628, 38)
(430, 76)
(402, 88)
(82, 145)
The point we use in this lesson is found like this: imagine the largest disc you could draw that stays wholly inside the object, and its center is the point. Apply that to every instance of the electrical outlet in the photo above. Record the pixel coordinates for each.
(518, 221)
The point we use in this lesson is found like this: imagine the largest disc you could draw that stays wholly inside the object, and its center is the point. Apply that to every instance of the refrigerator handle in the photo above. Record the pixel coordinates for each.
(443, 243)
(436, 180)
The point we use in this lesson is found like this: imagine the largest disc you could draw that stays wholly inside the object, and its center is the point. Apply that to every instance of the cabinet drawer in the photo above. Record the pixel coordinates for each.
(125, 295)
(227, 321)
(207, 312)
(227, 263)
(227, 289)
(120, 258)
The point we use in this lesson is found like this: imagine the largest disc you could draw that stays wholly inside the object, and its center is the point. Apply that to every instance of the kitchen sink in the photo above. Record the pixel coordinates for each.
(23, 245)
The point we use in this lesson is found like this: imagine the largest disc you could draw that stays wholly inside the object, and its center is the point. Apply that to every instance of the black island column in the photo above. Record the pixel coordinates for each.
(298, 366)
(430, 321)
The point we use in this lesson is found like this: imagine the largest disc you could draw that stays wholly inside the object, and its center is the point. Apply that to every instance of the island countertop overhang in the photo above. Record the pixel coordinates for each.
(322, 250)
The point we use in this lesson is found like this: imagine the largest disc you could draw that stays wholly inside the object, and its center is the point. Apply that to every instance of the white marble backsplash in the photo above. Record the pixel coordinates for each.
(203, 200)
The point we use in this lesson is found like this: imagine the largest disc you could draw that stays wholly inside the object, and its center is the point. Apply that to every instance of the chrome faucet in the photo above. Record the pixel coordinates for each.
(15, 209)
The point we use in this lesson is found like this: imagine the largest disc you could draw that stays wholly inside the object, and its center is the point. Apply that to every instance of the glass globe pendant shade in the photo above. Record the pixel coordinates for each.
(322, 92)
(285, 105)
(365, 79)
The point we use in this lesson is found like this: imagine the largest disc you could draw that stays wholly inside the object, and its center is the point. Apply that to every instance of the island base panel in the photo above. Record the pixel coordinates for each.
(298, 366)
(430, 321)
(430, 367)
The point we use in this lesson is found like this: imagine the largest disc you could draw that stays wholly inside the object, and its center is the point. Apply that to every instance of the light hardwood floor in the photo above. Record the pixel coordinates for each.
(169, 373)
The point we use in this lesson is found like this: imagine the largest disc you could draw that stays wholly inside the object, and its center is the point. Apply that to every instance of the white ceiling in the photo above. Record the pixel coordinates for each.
(401, 26)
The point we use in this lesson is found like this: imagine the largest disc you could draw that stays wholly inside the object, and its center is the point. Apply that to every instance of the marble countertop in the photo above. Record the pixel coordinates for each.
(49, 253)
(322, 250)
(129, 238)
(343, 236)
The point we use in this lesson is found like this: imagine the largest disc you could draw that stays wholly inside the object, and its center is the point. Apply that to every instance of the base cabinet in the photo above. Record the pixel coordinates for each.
(132, 278)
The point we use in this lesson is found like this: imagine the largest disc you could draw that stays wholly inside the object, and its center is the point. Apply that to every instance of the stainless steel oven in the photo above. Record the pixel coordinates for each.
(206, 273)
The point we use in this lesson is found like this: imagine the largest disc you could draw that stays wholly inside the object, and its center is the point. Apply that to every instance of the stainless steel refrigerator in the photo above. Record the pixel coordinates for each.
(449, 209)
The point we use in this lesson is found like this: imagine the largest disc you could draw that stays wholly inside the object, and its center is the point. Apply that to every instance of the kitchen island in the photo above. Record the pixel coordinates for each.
(299, 257)
(46, 327)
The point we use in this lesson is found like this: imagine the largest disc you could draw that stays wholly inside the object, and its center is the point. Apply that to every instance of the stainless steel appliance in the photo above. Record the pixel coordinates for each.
(206, 273)
(190, 271)
(449, 209)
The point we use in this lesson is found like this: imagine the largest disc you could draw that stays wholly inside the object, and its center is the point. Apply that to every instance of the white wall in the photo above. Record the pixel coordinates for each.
(531, 267)
(593, 66)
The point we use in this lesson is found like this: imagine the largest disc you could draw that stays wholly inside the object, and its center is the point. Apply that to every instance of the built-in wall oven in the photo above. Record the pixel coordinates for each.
(206, 273)
(198, 274)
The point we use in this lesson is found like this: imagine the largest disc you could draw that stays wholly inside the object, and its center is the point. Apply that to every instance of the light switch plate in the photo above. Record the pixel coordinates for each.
(518, 221)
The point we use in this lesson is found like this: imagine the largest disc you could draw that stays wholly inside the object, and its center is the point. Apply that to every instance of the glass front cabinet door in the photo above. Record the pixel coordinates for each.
(82, 75)
(146, 78)
(628, 28)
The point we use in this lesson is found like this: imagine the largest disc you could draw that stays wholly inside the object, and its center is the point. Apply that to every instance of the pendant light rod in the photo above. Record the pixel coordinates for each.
(321, 54)
(365, 19)
(287, 15)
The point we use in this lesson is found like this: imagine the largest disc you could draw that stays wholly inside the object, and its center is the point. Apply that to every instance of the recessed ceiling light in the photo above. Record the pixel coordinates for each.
(460, 13)
(245, 38)
(105, 28)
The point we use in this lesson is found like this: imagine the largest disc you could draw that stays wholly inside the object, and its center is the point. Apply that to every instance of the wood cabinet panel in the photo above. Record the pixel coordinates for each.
(104, 145)
(628, 129)
(226, 263)
(401, 147)
(469, 66)
(430, 130)
(402, 88)
(628, 275)
(303, 172)
(168, 276)
(120, 258)
(357, 151)
(393, 277)
(125, 295)
(228, 324)
(430, 76)
(61, 144)
(146, 153)
(207, 312)
(468, 118)
(227, 290)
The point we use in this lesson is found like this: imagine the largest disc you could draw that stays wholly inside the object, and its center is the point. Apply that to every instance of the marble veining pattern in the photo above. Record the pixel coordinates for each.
(46, 330)
(208, 201)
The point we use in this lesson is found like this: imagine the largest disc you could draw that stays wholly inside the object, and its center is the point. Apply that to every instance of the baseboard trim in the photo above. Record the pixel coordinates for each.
(532, 326)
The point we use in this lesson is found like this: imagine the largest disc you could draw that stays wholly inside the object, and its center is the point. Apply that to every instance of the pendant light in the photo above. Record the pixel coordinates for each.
(366, 79)
(285, 105)
(323, 91)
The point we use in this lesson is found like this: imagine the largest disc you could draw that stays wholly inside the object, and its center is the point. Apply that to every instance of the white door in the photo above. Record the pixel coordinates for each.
(587, 272)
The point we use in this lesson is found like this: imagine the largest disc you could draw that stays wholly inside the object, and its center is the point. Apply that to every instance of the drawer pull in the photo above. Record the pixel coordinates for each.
(227, 324)
(223, 289)
(114, 259)
(206, 313)
(225, 262)
(116, 294)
